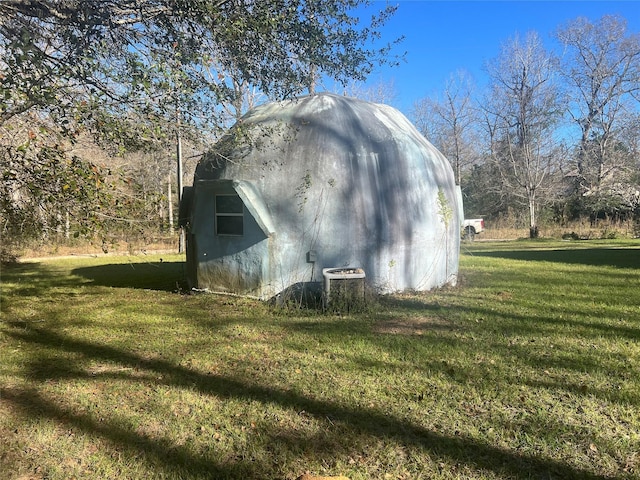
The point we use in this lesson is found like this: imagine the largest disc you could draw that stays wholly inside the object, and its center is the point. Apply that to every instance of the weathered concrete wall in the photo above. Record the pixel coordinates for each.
(351, 181)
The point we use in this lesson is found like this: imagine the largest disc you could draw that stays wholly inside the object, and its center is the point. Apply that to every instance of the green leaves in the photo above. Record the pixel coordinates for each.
(130, 73)
(122, 51)
(42, 184)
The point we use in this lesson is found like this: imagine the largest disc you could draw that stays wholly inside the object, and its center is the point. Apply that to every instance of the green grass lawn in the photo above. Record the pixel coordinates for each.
(529, 369)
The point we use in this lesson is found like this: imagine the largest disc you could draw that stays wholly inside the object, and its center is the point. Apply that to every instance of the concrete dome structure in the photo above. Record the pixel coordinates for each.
(316, 182)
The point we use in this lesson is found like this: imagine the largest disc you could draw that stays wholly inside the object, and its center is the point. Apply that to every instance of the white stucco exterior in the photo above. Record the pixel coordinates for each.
(326, 181)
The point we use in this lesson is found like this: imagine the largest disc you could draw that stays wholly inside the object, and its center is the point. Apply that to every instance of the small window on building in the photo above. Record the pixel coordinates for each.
(229, 215)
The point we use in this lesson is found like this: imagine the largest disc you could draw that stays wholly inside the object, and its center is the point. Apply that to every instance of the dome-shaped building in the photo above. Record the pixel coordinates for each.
(320, 182)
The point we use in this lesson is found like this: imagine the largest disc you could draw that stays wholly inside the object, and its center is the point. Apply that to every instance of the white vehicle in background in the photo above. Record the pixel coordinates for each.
(471, 227)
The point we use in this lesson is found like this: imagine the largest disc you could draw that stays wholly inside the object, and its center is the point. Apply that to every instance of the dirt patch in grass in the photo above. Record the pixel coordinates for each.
(412, 325)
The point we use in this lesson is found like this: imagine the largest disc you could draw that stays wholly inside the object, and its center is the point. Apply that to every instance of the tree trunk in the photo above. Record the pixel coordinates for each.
(179, 175)
(170, 201)
(533, 228)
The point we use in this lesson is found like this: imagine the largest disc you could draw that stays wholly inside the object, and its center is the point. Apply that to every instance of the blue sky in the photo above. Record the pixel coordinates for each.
(444, 36)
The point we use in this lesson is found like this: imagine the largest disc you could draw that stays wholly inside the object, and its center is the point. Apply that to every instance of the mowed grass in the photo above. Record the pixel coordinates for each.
(529, 369)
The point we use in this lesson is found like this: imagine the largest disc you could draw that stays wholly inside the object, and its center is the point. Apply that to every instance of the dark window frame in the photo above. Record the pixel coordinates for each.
(227, 215)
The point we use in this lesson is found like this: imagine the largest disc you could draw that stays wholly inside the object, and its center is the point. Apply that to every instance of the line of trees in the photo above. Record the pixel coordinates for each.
(552, 134)
(94, 94)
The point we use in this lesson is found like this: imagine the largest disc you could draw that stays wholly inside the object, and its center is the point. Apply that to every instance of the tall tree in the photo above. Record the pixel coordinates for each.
(602, 67)
(449, 122)
(129, 70)
(523, 110)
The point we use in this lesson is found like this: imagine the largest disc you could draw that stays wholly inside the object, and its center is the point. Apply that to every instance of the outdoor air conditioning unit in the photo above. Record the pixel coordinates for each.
(343, 287)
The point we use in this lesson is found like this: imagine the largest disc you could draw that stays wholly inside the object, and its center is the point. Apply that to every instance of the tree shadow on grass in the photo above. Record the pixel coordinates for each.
(164, 276)
(178, 459)
(615, 257)
(459, 337)
(34, 278)
(175, 459)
